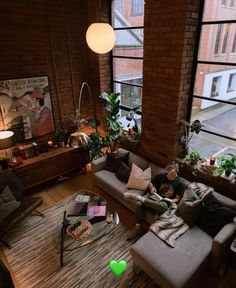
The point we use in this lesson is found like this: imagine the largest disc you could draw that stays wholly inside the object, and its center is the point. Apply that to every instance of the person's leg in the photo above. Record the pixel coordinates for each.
(138, 214)
(158, 206)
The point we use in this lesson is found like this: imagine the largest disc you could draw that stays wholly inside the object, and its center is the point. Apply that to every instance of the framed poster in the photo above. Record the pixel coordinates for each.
(25, 107)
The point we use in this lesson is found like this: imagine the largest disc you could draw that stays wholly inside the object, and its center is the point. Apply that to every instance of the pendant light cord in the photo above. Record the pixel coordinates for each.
(100, 10)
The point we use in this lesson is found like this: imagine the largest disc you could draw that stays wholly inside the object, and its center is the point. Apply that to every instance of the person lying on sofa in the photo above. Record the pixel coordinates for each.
(164, 189)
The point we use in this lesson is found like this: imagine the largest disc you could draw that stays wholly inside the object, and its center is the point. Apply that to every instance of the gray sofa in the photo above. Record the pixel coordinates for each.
(194, 250)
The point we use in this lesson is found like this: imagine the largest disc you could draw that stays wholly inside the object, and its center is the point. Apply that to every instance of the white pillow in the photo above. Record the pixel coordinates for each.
(138, 178)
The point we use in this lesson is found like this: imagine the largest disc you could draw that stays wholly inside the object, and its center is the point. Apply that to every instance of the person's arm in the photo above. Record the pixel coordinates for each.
(152, 188)
(176, 199)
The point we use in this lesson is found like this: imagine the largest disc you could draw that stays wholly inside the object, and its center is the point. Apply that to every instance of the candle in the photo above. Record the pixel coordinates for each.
(212, 160)
(49, 143)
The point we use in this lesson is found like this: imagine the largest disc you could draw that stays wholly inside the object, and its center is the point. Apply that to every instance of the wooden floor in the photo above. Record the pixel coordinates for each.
(59, 190)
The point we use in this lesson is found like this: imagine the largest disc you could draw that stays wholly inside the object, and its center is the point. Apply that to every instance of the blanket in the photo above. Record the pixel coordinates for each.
(169, 226)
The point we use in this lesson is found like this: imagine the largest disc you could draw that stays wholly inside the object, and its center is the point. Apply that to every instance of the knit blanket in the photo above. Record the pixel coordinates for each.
(201, 189)
(169, 226)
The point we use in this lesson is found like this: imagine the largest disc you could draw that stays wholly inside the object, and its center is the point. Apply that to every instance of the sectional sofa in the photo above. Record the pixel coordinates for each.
(194, 251)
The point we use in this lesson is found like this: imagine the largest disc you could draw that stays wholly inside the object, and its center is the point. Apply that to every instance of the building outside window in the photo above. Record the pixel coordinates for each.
(127, 58)
(232, 82)
(118, 5)
(137, 7)
(214, 93)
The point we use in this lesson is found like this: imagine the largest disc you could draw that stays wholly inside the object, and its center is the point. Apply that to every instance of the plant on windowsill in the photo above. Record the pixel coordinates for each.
(189, 130)
(227, 165)
(193, 159)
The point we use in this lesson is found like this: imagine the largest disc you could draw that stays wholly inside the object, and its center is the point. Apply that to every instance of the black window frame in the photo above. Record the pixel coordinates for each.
(114, 82)
(201, 24)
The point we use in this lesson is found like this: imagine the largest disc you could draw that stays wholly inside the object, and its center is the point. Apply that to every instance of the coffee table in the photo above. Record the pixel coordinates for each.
(95, 226)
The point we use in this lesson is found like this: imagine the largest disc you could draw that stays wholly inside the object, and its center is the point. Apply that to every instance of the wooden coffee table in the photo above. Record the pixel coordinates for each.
(90, 228)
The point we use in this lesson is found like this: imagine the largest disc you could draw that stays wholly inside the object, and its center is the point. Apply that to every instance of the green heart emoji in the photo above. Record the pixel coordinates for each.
(118, 268)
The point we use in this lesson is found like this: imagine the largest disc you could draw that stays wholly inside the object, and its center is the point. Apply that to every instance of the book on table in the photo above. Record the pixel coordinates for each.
(96, 211)
(78, 209)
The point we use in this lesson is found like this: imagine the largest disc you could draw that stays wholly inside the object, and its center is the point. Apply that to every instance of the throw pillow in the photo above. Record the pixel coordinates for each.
(138, 178)
(114, 160)
(123, 172)
(8, 203)
(190, 207)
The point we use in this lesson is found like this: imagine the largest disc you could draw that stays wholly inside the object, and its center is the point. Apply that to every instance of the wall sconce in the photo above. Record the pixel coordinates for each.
(100, 36)
(78, 138)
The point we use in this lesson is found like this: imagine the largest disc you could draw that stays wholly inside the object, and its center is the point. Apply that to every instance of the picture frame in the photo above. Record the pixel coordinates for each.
(25, 107)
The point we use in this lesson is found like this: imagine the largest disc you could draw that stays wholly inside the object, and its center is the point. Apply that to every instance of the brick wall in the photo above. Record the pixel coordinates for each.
(168, 55)
(48, 38)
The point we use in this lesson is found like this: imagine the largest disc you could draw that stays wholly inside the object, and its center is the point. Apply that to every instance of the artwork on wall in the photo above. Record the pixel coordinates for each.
(25, 107)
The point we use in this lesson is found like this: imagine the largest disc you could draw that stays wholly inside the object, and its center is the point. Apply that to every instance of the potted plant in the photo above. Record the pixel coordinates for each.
(112, 124)
(61, 137)
(193, 157)
(227, 164)
(189, 130)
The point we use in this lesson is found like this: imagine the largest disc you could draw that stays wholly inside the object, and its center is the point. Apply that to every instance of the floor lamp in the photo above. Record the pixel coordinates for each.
(78, 138)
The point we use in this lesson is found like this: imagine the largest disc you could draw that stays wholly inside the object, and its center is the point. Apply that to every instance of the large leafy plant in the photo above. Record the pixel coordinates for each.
(112, 107)
(189, 130)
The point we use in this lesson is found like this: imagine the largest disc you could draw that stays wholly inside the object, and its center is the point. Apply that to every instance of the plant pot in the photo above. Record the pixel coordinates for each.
(227, 173)
(4, 163)
(61, 144)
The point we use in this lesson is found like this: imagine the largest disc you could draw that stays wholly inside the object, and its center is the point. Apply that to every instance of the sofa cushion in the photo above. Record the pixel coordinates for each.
(123, 172)
(138, 178)
(8, 203)
(8, 178)
(172, 267)
(109, 182)
(137, 160)
(156, 170)
(114, 160)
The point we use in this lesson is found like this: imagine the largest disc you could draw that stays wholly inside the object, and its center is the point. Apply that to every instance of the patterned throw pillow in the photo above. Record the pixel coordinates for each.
(138, 178)
(114, 160)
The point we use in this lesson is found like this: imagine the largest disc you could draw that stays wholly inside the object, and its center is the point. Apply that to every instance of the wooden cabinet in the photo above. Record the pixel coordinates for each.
(51, 164)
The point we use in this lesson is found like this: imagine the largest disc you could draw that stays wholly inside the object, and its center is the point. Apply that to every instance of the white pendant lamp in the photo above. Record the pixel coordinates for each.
(100, 36)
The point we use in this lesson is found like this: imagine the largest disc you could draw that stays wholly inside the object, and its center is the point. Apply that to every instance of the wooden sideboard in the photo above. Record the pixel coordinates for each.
(49, 165)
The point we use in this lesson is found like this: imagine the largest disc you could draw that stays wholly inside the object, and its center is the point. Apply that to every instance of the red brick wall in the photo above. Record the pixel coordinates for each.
(168, 55)
(48, 38)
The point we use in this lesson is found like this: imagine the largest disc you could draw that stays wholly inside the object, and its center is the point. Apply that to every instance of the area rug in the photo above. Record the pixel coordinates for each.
(34, 257)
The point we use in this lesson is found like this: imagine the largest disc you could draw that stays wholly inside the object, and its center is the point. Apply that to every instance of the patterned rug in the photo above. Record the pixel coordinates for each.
(34, 257)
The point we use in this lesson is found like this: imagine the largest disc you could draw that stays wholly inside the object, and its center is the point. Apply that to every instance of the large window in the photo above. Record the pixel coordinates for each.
(127, 56)
(137, 7)
(214, 95)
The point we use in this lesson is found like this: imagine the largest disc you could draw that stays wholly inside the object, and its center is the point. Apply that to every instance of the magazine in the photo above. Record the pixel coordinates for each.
(82, 198)
(96, 211)
(78, 209)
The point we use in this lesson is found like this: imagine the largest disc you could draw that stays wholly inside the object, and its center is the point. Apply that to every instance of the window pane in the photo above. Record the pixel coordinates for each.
(208, 144)
(126, 70)
(219, 10)
(118, 6)
(216, 81)
(137, 7)
(129, 43)
(218, 43)
(126, 18)
(131, 96)
(129, 124)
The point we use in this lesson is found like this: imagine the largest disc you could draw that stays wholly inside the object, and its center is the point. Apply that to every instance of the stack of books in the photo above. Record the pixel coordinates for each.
(82, 207)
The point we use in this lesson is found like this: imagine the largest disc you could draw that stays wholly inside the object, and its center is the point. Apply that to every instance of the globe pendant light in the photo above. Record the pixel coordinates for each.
(100, 36)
